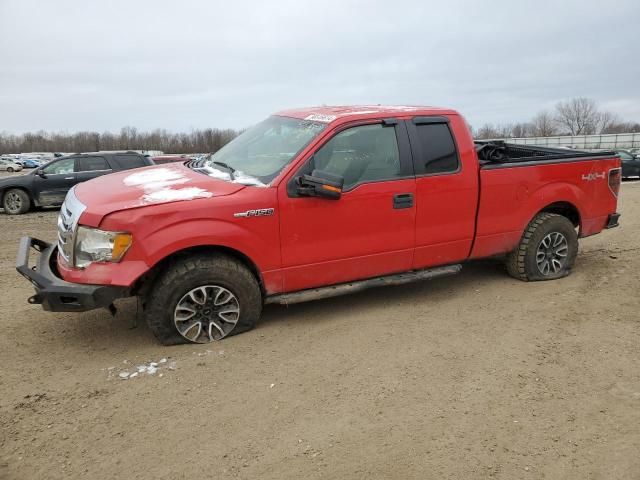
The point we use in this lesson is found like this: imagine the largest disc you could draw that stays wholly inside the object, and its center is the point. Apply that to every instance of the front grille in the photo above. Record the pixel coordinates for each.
(68, 219)
(65, 232)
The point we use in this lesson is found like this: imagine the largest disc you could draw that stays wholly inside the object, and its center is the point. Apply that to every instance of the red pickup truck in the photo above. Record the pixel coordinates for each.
(317, 202)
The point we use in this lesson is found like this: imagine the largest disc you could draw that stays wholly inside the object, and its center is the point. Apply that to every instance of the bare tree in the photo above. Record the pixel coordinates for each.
(622, 127)
(606, 120)
(520, 130)
(507, 130)
(578, 116)
(129, 138)
(488, 131)
(543, 125)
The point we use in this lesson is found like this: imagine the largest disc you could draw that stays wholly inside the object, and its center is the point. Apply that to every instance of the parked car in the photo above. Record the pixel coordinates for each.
(28, 162)
(312, 203)
(630, 164)
(48, 185)
(7, 165)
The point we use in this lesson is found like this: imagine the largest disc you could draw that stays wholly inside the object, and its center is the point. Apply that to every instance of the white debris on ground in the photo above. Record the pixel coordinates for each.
(150, 368)
(208, 352)
(129, 370)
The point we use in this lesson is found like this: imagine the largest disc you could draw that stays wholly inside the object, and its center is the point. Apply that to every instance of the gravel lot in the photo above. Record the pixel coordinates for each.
(468, 377)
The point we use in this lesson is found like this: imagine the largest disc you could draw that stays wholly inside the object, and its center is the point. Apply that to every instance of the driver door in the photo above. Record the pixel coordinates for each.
(370, 230)
(57, 179)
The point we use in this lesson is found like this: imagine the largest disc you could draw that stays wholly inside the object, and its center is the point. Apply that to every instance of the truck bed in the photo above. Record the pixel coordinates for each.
(495, 152)
(518, 181)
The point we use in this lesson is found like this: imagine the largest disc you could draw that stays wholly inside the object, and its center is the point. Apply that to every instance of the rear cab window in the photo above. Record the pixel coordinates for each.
(92, 164)
(127, 161)
(434, 149)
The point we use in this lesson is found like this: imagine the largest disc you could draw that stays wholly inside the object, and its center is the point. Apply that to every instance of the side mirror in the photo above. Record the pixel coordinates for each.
(40, 173)
(320, 184)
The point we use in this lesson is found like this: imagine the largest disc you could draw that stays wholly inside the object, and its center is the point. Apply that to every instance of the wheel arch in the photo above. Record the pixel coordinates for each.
(4, 191)
(148, 279)
(564, 208)
(561, 198)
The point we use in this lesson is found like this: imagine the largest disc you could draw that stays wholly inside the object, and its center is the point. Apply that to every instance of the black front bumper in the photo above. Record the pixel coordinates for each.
(53, 293)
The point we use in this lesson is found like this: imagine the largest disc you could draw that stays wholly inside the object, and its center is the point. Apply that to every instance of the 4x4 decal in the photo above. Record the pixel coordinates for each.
(593, 176)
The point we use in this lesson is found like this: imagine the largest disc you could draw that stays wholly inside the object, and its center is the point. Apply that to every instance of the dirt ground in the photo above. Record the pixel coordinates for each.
(468, 377)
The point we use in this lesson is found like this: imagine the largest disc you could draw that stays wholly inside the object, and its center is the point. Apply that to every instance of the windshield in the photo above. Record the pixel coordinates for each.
(260, 153)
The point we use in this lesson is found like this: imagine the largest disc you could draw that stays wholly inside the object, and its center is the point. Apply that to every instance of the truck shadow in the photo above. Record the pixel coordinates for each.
(98, 331)
(473, 275)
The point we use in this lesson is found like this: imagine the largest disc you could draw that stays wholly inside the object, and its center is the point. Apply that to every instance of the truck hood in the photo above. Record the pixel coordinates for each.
(148, 186)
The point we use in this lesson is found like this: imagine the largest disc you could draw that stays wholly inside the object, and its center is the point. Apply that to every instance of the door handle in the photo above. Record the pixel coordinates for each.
(68, 178)
(403, 200)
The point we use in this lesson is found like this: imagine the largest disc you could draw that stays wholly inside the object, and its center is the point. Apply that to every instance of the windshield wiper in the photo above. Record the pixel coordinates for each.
(231, 169)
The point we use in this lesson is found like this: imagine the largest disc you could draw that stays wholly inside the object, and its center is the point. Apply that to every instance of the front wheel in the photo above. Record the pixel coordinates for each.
(16, 202)
(547, 249)
(203, 298)
(10, 169)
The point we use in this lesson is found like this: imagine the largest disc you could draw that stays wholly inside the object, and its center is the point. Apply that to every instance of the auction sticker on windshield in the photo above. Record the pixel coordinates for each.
(318, 117)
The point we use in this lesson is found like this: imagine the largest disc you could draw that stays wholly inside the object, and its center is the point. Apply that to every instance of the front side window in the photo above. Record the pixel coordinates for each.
(261, 152)
(437, 152)
(361, 154)
(60, 167)
(89, 164)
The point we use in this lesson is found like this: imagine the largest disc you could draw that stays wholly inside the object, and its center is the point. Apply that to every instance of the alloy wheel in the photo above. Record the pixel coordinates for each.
(551, 255)
(13, 202)
(206, 313)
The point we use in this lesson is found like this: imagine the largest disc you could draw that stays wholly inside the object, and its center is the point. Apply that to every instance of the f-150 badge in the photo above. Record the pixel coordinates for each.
(261, 212)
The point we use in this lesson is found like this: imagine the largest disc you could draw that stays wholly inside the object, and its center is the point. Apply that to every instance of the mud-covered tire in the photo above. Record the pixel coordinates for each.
(16, 202)
(522, 263)
(184, 275)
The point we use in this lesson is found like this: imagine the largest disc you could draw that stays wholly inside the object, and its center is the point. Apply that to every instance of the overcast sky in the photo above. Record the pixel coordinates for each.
(180, 64)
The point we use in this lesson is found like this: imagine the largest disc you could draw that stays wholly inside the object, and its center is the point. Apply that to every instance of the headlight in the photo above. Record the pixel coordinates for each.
(93, 245)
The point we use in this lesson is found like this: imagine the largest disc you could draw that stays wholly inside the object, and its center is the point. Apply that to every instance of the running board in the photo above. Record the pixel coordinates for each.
(346, 288)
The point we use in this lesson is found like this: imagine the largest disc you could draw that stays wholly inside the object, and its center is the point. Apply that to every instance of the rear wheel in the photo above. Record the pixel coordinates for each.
(547, 249)
(201, 299)
(16, 202)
